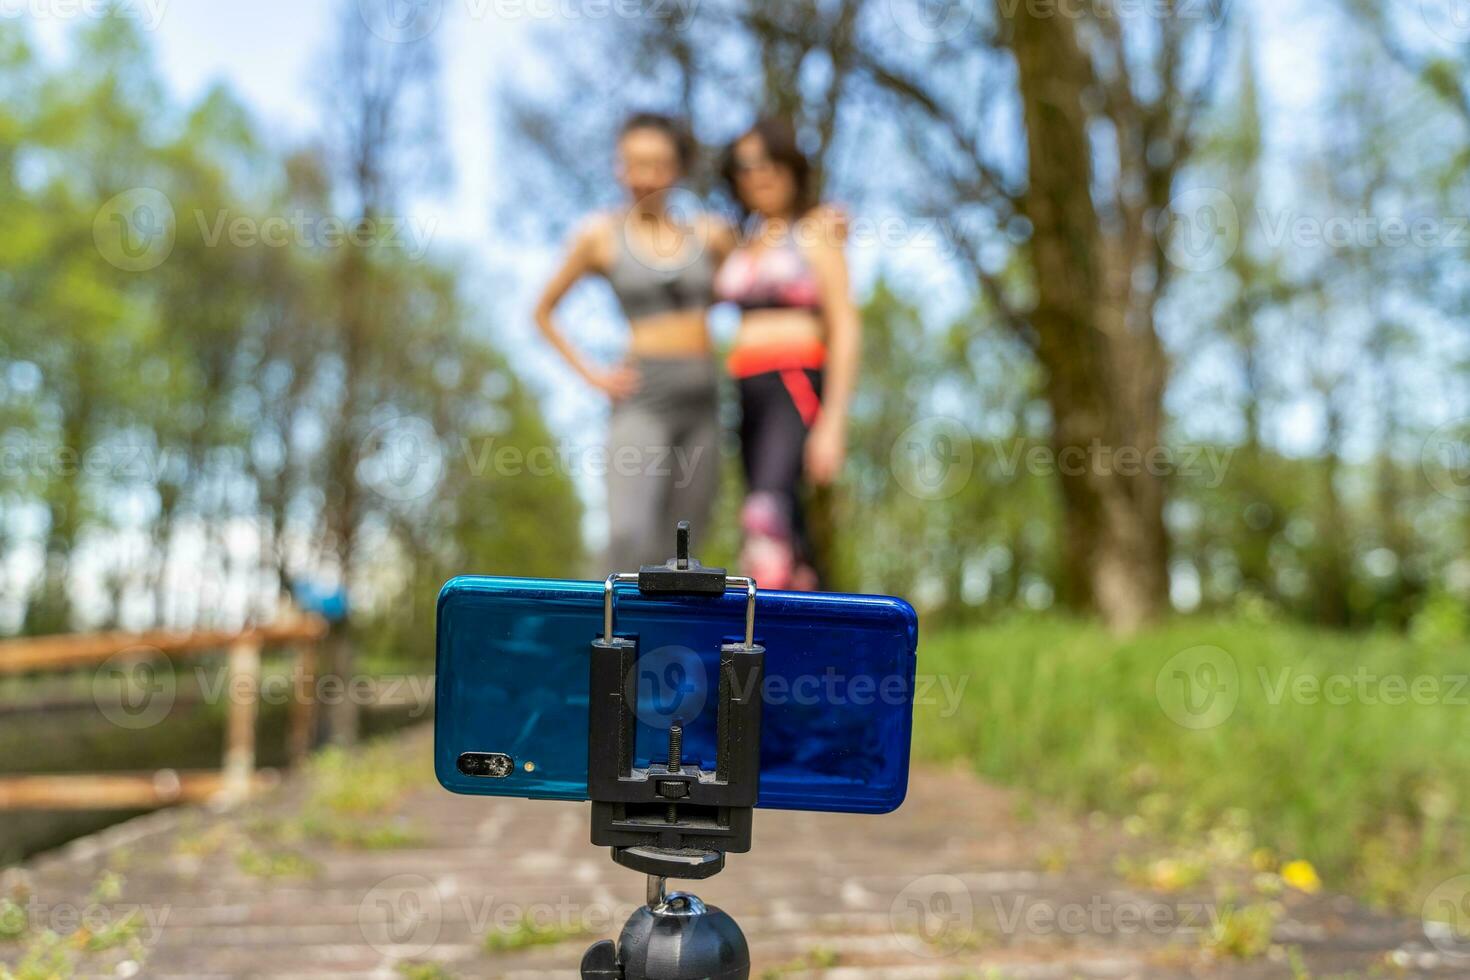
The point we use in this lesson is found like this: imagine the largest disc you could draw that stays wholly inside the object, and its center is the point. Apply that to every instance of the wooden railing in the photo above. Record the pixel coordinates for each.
(237, 777)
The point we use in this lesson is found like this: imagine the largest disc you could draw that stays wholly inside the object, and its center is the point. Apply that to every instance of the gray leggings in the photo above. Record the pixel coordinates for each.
(663, 460)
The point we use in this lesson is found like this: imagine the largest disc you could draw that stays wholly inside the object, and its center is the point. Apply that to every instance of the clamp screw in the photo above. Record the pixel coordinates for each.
(676, 747)
(676, 730)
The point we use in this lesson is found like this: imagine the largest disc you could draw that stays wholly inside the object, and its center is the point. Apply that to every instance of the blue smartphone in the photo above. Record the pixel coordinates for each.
(513, 674)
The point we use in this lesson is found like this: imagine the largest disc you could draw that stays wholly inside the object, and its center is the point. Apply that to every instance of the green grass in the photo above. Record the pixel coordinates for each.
(276, 864)
(814, 960)
(354, 799)
(1374, 794)
(1244, 932)
(366, 781)
(527, 934)
(423, 971)
(30, 952)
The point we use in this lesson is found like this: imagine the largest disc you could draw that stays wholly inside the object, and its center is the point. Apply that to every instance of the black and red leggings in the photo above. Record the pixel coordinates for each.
(777, 409)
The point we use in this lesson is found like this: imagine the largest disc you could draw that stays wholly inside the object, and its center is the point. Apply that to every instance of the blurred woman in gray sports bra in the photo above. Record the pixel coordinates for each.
(663, 441)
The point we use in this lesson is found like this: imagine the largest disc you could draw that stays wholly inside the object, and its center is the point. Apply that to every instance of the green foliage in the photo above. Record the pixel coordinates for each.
(952, 516)
(1243, 932)
(423, 971)
(1317, 748)
(1444, 620)
(817, 960)
(365, 781)
(28, 953)
(44, 959)
(284, 389)
(952, 480)
(276, 864)
(354, 799)
(13, 920)
(240, 380)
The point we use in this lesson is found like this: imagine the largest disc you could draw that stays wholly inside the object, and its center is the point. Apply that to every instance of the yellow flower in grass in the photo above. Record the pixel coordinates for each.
(1302, 876)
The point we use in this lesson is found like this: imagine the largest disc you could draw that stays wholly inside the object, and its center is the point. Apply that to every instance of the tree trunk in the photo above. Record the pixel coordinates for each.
(1105, 367)
(1331, 581)
(344, 496)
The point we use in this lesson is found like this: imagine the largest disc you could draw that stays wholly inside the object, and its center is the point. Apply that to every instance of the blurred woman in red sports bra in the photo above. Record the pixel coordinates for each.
(795, 358)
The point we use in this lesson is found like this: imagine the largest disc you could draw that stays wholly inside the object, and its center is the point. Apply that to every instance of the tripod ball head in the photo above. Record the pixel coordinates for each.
(678, 939)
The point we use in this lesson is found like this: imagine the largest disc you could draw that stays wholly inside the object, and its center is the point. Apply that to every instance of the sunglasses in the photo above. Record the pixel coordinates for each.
(749, 165)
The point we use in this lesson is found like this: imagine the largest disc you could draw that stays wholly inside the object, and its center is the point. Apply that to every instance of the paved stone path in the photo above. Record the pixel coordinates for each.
(963, 882)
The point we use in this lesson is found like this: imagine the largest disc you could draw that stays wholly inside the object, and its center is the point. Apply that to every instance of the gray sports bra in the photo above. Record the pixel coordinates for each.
(646, 285)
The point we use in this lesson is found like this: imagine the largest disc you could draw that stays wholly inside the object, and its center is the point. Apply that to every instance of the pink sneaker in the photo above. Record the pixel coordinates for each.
(767, 554)
(767, 560)
(804, 578)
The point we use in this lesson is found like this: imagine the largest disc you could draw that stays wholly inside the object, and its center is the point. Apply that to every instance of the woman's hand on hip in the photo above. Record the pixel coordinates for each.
(616, 383)
(826, 451)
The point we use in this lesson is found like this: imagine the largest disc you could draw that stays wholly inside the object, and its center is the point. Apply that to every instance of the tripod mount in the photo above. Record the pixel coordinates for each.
(673, 819)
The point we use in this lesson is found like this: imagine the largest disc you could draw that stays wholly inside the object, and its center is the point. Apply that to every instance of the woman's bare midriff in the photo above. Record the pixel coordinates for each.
(778, 328)
(678, 333)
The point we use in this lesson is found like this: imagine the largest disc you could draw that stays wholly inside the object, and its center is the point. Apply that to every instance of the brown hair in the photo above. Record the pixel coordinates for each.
(675, 130)
(778, 136)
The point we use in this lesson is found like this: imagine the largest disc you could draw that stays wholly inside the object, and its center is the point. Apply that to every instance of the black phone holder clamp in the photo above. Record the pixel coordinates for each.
(673, 819)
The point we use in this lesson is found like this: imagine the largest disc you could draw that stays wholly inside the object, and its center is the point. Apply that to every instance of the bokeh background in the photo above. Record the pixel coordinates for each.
(1164, 406)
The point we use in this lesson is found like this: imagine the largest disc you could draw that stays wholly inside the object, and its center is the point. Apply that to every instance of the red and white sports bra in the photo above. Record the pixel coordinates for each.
(774, 278)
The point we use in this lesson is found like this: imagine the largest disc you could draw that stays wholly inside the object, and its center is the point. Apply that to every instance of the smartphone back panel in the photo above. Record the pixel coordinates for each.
(838, 697)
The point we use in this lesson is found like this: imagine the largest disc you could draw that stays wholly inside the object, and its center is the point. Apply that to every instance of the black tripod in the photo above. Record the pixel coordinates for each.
(673, 820)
